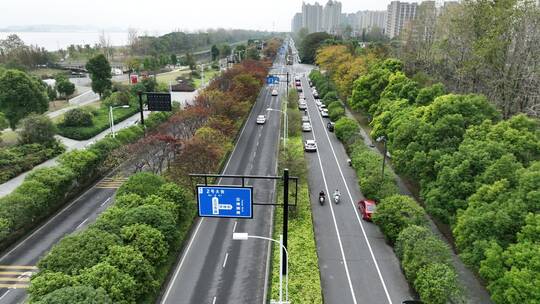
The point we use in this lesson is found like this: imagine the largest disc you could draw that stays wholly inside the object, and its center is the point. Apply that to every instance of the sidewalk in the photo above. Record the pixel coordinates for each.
(79, 101)
(475, 292)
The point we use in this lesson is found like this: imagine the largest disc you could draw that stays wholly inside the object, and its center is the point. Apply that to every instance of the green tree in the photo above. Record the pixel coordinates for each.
(76, 295)
(215, 52)
(64, 86)
(310, 44)
(190, 61)
(253, 54)
(100, 73)
(77, 252)
(346, 128)
(78, 117)
(396, 213)
(437, 283)
(147, 240)
(225, 50)
(37, 129)
(174, 59)
(144, 184)
(46, 282)
(51, 93)
(120, 286)
(21, 95)
(130, 261)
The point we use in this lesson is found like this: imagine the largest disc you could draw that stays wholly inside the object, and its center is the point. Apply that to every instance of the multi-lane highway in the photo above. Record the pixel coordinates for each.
(356, 264)
(212, 267)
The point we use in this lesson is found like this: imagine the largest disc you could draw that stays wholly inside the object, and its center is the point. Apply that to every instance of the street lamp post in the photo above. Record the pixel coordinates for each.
(242, 236)
(111, 118)
(285, 125)
(383, 139)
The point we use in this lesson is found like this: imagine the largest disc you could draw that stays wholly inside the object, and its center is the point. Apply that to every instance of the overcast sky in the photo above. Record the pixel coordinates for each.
(165, 15)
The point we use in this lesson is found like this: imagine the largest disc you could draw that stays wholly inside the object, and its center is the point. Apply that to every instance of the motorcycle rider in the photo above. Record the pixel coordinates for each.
(322, 196)
(337, 195)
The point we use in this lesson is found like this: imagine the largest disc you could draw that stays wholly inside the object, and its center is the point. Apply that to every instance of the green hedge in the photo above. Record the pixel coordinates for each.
(44, 190)
(100, 123)
(21, 158)
(122, 251)
(347, 130)
(427, 264)
(336, 110)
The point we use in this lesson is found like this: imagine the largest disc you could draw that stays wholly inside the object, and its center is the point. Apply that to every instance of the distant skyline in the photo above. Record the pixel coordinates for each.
(194, 15)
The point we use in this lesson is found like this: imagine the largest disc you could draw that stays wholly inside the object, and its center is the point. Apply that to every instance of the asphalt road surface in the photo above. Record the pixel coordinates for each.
(213, 268)
(356, 264)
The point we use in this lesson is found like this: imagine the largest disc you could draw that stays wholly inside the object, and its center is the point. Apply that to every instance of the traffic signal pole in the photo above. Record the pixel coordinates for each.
(285, 217)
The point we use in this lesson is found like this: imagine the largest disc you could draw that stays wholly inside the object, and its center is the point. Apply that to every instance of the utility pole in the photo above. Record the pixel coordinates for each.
(141, 108)
(285, 216)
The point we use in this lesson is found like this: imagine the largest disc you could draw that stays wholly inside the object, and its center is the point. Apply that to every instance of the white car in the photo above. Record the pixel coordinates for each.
(302, 106)
(322, 107)
(274, 92)
(318, 102)
(310, 145)
(301, 96)
(305, 119)
(324, 113)
(306, 127)
(261, 119)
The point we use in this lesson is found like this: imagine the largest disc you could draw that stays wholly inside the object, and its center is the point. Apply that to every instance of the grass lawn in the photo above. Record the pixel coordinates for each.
(100, 122)
(57, 105)
(208, 75)
(304, 275)
(171, 76)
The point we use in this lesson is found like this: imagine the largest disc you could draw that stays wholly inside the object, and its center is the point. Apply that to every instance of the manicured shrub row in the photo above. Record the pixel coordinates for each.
(44, 190)
(100, 122)
(116, 259)
(21, 158)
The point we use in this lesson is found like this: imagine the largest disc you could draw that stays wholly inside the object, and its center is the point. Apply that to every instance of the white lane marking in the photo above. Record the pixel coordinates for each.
(214, 301)
(357, 215)
(225, 261)
(329, 202)
(80, 225)
(234, 227)
(105, 202)
(177, 271)
(5, 294)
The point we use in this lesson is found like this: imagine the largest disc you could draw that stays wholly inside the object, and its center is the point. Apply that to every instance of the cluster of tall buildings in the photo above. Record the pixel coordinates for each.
(330, 19)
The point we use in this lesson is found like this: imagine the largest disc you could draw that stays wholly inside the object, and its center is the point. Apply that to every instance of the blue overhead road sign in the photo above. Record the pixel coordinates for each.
(270, 79)
(225, 201)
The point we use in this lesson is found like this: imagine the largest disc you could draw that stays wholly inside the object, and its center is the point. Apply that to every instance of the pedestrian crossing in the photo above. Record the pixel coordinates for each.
(16, 276)
(111, 182)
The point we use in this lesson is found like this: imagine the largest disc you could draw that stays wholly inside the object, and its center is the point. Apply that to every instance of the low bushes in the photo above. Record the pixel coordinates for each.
(336, 110)
(78, 117)
(426, 262)
(396, 212)
(21, 158)
(118, 257)
(44, 190)
(347, 130)
(100, 122)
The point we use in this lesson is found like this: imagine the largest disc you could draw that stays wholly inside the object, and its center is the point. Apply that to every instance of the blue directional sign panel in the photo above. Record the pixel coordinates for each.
(272, 79)
(225, 201)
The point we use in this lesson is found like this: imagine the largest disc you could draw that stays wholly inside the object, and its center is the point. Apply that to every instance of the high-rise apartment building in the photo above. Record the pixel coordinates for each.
(331, 19)
(370, 19)
(398, 15)
(312, 17)
(296, 23)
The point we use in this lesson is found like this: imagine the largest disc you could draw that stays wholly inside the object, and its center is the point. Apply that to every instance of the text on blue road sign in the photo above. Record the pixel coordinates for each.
(225, 201)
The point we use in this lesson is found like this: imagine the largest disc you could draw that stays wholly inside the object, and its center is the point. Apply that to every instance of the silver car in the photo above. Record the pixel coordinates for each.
(306, 127)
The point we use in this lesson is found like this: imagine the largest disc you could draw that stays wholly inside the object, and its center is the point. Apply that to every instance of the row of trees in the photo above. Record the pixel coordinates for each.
(487, 47)
(15, 54)
(475, 170)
